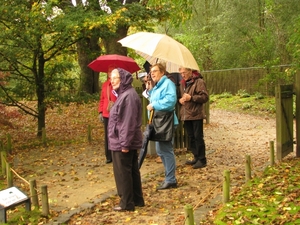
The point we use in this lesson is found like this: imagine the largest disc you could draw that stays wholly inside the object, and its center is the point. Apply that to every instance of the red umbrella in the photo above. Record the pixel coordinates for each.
(103, 62)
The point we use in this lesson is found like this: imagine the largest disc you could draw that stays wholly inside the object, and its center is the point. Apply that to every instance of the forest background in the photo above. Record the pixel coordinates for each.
(47, 45)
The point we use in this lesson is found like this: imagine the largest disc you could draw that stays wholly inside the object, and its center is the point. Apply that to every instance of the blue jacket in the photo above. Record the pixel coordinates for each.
(163, 96)
(125, 117)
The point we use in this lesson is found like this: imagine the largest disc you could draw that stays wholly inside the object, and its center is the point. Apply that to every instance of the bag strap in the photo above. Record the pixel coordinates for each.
(108, 94)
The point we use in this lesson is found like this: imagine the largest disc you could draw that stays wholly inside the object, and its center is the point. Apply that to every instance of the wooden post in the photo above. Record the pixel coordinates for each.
(226, 186)
(272, 153)
(248, 168)
(9, 175)
(9, 145)
(44, 137)
(297, 91)
(89, 133)
(3, 162)
(189, 214)
(45, 202)
(33, 193)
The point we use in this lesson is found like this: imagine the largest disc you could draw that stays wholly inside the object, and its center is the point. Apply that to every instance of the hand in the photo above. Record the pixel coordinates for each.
(125, 150)
(101, 117)
(149, 107)
(186, 97)
(149, 85)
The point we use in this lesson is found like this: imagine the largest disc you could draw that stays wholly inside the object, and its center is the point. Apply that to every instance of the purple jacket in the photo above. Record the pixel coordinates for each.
(125, 118)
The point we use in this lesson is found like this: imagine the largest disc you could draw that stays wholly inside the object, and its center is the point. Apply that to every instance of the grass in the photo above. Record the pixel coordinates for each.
(273, 198)
(251, 104)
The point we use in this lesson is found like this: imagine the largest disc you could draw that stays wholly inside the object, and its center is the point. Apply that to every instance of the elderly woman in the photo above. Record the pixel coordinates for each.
(163, 98)
(125, 138)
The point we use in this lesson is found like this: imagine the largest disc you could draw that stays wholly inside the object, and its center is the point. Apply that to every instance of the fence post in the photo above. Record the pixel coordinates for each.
(272, 153)
(89, 133)
(248, 168)
(226, 186)
(45, 202)
(189, 214)
(33, 193)
(9, 145)
(9, 175)
(3, 162)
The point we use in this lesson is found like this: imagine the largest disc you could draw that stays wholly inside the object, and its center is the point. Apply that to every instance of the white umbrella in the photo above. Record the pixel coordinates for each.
(156, 47)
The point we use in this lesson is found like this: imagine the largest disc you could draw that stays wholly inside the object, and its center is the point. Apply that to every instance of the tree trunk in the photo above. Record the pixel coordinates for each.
(40, 91)
(111, 44)
(88, 49)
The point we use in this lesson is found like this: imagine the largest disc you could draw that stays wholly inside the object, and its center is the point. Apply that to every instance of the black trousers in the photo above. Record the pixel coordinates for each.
(107, 151)
(128, 179)
(194, 129)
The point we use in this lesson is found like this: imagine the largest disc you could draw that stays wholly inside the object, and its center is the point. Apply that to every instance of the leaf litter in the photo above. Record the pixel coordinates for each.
(75, 170)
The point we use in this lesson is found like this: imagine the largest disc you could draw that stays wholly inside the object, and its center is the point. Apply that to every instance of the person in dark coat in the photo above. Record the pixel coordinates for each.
(125, 138)
(193, 95)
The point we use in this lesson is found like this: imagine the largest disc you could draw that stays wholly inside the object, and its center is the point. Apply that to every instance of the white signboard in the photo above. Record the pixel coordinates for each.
(11, 196)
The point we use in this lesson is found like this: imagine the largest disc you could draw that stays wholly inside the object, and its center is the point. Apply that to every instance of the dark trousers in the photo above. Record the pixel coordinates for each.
(194, 129)
(128, 179)
(107, 151)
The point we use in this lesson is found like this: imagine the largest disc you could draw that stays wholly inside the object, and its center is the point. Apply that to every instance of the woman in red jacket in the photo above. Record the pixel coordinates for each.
(103, 109)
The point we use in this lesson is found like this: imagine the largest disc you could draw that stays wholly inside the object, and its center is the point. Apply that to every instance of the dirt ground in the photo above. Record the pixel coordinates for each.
(80, 175)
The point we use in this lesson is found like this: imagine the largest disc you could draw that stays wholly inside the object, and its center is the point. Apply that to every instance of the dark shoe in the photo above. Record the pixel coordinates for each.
(108, 161)
(199, 165)
(119, 209)
(140, 205)
(190, 162)
(167, 186)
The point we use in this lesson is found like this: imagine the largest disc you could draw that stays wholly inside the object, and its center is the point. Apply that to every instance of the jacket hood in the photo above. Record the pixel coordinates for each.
(126, 80)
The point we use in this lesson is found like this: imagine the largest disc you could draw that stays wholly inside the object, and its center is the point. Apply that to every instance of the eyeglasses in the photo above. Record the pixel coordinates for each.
(184, 72)
(154, 71)
(114, 78)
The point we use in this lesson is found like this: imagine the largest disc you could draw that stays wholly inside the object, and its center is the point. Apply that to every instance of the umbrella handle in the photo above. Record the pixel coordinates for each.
(151, 116)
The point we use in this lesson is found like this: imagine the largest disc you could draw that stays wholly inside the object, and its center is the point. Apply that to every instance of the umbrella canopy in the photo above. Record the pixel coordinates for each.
(155, 47)
(103, 62)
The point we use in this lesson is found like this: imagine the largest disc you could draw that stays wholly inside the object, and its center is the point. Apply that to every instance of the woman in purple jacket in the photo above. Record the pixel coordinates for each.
(124, 139)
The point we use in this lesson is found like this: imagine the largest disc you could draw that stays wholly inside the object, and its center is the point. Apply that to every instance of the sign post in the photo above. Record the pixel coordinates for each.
(10, 198)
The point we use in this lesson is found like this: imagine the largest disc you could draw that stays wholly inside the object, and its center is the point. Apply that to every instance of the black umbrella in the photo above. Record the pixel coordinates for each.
(147, 133)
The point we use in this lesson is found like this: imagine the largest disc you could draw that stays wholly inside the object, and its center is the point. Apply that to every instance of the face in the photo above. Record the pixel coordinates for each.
(115, 79)
(156, 74)
(185, 73)
(109, 72)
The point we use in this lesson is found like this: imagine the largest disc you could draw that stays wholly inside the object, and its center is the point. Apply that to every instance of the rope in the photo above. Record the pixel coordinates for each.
(19, 176)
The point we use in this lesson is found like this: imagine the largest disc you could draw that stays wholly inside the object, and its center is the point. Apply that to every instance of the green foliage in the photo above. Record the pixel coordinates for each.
(262, 105)
(243, 94)
(270, 199)
(22, 217)
(276, 77)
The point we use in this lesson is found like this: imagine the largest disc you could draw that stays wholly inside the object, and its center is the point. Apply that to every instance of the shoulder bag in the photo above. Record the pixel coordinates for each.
(163, 126)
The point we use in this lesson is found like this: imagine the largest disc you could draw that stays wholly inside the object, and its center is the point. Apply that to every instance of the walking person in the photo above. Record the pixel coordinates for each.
(193, 95)
(103, 109)
(163, 98)
(125, 138)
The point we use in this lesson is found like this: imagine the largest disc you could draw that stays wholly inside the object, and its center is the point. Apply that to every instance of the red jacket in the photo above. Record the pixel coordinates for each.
(104, 98)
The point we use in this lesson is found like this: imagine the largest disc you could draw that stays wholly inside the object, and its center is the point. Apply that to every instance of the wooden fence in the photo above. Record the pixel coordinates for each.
(233, 80)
